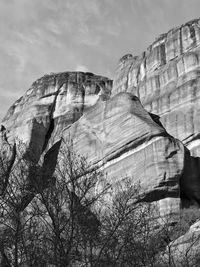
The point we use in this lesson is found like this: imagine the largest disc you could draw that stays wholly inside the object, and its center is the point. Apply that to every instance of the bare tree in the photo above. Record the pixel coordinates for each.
(66, 218)
(67, 208)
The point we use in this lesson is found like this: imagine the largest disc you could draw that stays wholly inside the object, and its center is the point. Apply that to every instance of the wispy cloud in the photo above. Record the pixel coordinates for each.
(38, 37)
(81, 68)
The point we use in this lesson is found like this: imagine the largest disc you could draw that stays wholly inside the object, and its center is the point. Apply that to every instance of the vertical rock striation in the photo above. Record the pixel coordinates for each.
(123, 138)
(32, 127)
(52, 103)
(166, 78)
(118, 133)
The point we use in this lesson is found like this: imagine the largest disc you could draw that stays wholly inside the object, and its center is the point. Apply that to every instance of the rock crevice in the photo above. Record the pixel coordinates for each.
(131, 127)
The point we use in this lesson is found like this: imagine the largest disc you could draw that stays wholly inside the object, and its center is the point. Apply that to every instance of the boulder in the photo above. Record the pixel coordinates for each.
(120, 136)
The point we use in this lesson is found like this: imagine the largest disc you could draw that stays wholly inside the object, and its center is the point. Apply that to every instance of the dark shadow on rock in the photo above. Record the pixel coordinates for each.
(190, 181)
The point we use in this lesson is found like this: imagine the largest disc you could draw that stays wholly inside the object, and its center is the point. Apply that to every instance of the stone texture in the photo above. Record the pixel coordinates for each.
(7, 158)
(121, 134)
(117, 133)
(166, 78)
(53, 102)
(185, 249)
(124, 139)
(34, 125)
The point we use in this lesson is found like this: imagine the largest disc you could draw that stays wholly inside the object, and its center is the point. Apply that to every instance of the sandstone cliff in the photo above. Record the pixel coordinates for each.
(116, 134)
(117, 128)
(53, 102)
(121, 136)
(144, 125)
(166, 79)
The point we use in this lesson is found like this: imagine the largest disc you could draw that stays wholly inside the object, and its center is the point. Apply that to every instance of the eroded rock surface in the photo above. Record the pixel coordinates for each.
(52, 103)
(117, 133)
(166, 78)
(120, 135)
(185, 249)
(33, 125)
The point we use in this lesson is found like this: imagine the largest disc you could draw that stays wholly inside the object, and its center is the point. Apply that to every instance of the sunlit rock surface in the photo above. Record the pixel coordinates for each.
(166, 78)
(113, 129)
(185, 249)
(129, 130)
(52, 103)
(33, 125)
(120, 135)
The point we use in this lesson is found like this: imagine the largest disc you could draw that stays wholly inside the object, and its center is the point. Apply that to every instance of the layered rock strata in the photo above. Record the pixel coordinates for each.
(116, 134)
(117, 128)
(166, 78)
(186, 247)
(32, 127)
(123, 138)
(52, 103)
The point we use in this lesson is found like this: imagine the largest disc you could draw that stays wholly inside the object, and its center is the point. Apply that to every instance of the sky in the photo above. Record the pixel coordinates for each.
(38, 37)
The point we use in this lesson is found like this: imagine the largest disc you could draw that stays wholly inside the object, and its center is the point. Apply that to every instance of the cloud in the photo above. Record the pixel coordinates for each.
(38, 37)
(81, 68)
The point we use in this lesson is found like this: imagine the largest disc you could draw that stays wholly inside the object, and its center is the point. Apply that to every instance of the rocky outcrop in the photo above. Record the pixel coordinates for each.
(124, 139)
(34, 125)
(118, 133)
(184, 250)
(166, 78)
(52, 103)
(146, 127)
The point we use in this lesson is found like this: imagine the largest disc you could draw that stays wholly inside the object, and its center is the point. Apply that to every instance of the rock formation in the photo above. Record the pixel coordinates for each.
(121, 136)
(53, 102)
(117, 128)
(166, 79)
(145, 127)
(185, 249)
(37, 119)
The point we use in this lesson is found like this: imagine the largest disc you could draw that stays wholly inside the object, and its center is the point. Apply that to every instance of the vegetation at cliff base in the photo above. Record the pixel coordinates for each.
(75, 218)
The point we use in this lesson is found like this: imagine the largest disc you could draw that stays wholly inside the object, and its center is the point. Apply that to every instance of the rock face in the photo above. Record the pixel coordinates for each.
(53, 102)
(120, 135)
(144, 126)
(8, 153)
(37, 119)
(112, 128)
(186, 247)
(166, 78)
